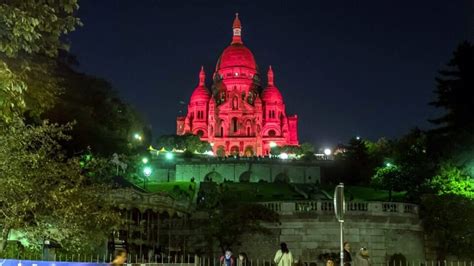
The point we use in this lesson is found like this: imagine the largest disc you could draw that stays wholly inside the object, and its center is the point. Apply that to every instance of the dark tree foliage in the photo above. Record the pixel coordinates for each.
(455, 94)
(103, 122)
(228, 218)
(357, 163)
(449, 218)
(188, 142)
(411, 155)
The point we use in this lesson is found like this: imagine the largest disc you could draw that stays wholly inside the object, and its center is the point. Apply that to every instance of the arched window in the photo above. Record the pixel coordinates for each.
(200, 133)
(248, 131)
(222, 131)
(234, 124)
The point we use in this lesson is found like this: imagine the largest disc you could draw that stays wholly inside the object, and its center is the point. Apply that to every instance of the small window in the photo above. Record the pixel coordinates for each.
(234, 124)
(272, 133)
(248, 131)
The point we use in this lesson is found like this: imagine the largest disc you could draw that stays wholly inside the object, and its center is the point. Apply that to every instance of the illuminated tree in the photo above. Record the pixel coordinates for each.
(186, 142)
(46, 195)
(31, 36)
(452, 180)
(391, 178)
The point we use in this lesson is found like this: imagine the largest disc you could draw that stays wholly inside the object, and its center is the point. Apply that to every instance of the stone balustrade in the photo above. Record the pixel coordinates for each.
(374, 208)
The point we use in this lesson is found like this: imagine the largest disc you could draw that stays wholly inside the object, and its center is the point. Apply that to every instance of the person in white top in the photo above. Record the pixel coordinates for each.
(283, 256)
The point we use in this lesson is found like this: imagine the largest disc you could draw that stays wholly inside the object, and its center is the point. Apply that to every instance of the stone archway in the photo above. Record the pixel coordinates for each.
(249, 151)
(282, 178)
(220, 151)
(234, 151)
(213, 176)
(245, 177)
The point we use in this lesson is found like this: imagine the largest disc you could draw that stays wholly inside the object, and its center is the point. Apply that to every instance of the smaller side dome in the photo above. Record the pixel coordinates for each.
(201, 94)
(271, 94)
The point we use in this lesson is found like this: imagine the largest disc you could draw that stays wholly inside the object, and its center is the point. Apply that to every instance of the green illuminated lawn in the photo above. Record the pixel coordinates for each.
(367, 193)
(169, 187)
(261, 192)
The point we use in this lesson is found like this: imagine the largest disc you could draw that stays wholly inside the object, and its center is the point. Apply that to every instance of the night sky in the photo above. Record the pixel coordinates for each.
(346, 68)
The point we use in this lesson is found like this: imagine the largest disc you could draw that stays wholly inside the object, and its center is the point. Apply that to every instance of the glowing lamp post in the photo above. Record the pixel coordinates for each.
(147, 173)
(144, 160)
(272, 145)
(327, 152)
(138, 137)
(169, 157)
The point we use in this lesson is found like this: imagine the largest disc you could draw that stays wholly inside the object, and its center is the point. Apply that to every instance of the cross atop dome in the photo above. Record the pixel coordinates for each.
(202, 76)
(270, 76)
(237, 29)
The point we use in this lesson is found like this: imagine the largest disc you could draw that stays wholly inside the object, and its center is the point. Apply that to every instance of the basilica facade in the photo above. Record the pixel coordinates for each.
(238, 115)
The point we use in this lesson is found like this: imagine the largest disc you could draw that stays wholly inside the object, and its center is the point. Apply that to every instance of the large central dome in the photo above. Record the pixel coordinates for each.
(236, 55)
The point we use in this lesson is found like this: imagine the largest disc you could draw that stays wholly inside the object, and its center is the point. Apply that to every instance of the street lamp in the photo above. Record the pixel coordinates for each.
(144, 160)
(137, 137)
(327, 151)
(284, 156)
(146, 172)
(169, 156)
(272, 144)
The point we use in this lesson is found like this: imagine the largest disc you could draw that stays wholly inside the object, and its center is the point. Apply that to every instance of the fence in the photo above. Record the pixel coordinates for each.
(192, 260)
(352, 207)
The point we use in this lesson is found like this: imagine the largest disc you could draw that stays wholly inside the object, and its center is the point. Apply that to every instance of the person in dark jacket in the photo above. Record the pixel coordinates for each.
(227, 259)
(347, 254)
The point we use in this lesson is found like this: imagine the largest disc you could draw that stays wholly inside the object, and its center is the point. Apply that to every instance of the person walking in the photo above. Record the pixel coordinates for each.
(347, 254)
(227, 259)
(283, 256)
(120, 258)
(362, 258)
(242, 259)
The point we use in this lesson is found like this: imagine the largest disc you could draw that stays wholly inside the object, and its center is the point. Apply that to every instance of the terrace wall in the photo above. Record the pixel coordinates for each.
(310, 229)
(257, 171)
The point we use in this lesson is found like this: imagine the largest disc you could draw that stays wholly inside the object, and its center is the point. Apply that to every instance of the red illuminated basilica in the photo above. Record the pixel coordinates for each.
(237, 116)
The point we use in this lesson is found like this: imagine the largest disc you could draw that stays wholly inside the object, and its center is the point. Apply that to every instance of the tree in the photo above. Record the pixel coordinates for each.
(357, 163)
(452, 180)
(103, 121)
(188, 142)
(46, 195)
(228, 218)
(391, 178)
(448, 218)
(455, 94)
(31, 36)
(410, 154)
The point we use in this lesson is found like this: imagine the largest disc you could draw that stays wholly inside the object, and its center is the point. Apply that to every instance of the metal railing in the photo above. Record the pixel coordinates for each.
(193, 260)
(352, 207)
